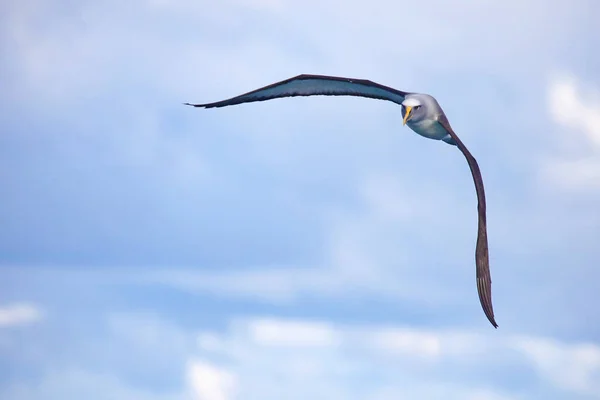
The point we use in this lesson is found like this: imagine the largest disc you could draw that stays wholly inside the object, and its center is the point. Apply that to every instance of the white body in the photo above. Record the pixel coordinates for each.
(428, 128)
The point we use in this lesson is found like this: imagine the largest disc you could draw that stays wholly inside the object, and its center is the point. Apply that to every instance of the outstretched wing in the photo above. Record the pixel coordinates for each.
(484, 280)
(314, 85)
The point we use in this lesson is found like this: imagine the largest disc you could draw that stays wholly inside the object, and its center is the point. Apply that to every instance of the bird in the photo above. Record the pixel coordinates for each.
(420, 112)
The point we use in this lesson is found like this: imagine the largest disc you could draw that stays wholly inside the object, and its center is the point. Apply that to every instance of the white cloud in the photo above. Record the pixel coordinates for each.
(408, 341)
(574, 367)
(268, 357)
(82, 55)
(571, 107)
(577, 112)
(209, 382)
(19, 314)
(271, 332)
(385, 362)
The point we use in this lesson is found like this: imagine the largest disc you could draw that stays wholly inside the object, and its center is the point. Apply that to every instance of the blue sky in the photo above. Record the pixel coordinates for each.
(298, 248)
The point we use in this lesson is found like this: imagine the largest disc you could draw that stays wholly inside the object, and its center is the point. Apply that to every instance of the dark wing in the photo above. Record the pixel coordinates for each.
(484, 280)
(312, 85)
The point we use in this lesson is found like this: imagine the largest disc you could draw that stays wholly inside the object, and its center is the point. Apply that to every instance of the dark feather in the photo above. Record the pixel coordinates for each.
(482, 262)
(314, 85)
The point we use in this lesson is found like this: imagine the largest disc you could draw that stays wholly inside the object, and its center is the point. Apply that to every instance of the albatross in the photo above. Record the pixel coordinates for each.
(421, 112)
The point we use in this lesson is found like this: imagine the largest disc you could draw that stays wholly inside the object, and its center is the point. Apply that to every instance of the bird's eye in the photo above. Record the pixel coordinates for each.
(417, 107)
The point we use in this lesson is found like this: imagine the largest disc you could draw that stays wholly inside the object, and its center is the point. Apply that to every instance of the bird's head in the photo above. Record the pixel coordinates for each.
(418, 107)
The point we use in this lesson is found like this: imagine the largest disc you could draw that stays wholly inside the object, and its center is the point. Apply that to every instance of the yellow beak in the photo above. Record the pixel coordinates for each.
(407, 115)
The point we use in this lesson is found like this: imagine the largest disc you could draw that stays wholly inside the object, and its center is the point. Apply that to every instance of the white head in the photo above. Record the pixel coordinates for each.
(417, 107)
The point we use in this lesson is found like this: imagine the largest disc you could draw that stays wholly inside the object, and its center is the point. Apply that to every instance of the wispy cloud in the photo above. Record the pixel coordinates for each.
(575, 107)
(574, 104)
(289, 333)
(574, 367)
(19, 314)
(57, 384)
(209, 382)
(409, 360)
(268, 356)
(366, 253)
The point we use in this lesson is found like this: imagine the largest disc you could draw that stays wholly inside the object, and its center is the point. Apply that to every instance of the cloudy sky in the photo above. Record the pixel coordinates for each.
(307, 248)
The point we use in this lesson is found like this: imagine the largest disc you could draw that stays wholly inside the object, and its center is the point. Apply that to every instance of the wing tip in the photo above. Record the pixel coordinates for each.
(196, 105)
(489, 313)
(485, 298)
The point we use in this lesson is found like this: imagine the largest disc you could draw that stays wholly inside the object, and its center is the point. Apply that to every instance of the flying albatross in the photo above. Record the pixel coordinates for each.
(422, 114)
